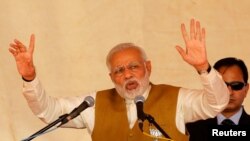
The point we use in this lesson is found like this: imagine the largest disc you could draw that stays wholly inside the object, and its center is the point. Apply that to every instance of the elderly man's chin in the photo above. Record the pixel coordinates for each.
(130, 94)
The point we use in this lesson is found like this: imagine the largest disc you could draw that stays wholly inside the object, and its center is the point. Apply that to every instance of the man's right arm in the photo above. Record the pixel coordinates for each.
(48, 108)
(45, 107)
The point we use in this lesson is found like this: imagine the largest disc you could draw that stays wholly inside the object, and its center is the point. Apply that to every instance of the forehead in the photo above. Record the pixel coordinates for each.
(232, 72)
(125, 56)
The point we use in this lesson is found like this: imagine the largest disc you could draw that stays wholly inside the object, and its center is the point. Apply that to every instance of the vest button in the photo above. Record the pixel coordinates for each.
(130, 134)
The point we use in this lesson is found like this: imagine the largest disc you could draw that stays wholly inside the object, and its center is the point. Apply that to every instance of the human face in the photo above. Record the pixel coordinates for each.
(130, 73)
(234, 74)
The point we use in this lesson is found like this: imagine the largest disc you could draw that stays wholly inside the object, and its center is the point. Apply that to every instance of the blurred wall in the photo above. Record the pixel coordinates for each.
(73, 38)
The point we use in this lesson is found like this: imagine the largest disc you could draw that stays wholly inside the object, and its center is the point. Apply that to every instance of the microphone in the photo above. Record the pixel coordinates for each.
(139, 100)
(88, 102)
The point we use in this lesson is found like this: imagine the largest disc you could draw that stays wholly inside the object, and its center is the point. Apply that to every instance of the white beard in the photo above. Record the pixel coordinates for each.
(131, 94)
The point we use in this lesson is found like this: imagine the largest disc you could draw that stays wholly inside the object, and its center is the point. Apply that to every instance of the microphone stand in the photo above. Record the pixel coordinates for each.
(61, 119)
(151, 120)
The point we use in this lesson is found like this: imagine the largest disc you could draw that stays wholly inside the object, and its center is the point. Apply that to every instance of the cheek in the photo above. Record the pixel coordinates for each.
(118, 81)
(239, 96)
(140, 74)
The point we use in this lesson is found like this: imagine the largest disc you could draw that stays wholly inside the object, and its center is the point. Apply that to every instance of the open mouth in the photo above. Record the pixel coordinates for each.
(131, 85)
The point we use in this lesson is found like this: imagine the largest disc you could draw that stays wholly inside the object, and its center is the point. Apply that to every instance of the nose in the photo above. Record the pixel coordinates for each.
(128, 74)
(230, 90)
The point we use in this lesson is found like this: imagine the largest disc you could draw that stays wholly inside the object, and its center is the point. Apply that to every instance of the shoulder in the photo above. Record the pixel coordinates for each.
(164, 86)
(197, 125)
(245, 118)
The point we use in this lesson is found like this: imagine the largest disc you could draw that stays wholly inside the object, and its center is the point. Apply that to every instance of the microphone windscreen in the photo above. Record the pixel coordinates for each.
(139, 98)
(90, 101)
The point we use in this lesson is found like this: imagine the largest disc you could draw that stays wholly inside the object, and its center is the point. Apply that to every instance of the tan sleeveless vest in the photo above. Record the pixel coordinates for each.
(111, 123)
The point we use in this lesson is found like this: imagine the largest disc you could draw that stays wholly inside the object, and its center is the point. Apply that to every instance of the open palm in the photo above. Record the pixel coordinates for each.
(195, 52)
(24, 57)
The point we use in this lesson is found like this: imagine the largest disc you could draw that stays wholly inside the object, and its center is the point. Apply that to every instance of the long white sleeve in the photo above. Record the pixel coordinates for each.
(194, 104)
(48, 108)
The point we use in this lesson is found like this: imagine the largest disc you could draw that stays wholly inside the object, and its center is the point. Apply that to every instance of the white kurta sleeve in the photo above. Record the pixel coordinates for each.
(195, 104)
(49, 109)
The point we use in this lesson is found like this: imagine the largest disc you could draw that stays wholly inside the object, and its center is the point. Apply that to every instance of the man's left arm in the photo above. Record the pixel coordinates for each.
(193, 104)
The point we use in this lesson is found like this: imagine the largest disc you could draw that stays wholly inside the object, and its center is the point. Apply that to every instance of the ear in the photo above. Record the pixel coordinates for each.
(246, 89)
(148, 66)
(111, 77)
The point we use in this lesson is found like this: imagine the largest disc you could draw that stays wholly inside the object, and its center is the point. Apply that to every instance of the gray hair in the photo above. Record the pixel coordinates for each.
(121, 47)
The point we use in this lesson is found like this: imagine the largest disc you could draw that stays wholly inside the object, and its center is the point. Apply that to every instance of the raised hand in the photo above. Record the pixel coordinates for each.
(24, 57)
(195, 52)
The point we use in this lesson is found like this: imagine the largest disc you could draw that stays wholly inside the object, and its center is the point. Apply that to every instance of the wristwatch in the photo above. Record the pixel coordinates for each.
(205, 71)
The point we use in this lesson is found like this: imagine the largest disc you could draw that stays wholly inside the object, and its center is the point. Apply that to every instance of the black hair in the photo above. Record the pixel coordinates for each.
(231, 61)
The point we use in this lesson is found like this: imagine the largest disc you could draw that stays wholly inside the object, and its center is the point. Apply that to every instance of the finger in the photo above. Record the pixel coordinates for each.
(15, 47)
(184, 33)
(198, 32)
(181, 52)
(17, 41)
(13, 52)
(20, 45)
(32, 43)
(192, 29)
(203, 35)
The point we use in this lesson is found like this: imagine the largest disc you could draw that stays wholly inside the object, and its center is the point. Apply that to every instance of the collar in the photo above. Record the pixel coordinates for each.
(235, 118)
